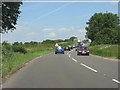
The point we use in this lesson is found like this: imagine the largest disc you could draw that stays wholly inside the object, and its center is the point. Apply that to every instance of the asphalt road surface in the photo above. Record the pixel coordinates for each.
(66, 71)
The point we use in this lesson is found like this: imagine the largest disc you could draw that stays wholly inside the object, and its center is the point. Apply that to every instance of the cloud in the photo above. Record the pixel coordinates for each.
(81, 31)
(32, 34)
(22, 28)
(53, 11)
(64, 29)
(47, 29)
(51, 35)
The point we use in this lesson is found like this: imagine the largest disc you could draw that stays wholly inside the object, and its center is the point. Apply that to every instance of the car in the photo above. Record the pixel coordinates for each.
(83, 51)
(67, 48)
(73, 46)
(59, 49)
(77, 47)
(70, 47)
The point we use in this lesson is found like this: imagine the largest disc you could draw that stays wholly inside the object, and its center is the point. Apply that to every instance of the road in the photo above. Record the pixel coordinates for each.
(66, 71)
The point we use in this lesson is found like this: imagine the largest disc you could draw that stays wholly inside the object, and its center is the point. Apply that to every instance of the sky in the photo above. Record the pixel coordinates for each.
(39, 21)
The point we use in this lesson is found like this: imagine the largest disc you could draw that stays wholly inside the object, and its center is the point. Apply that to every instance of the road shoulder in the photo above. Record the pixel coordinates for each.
(106, 58)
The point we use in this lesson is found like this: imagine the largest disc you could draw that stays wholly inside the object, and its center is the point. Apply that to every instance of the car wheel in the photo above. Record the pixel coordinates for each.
(55, 53)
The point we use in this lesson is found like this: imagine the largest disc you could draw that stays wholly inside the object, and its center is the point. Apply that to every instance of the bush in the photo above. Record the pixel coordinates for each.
(19, 49)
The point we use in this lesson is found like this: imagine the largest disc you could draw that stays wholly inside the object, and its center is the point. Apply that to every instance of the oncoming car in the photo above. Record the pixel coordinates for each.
(83, 51)
(59, 49)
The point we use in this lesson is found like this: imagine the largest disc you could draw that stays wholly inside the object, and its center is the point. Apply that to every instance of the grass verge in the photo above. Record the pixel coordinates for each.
(105, 51)
(13, 63)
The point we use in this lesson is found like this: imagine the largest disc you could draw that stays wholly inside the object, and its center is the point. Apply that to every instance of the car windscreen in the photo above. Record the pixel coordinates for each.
(83, 48)
(59, 47)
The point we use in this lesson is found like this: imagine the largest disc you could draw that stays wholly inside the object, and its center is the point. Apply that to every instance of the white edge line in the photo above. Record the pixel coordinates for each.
(69, 1)
(116, 81)
(74, 60)
(89, 67)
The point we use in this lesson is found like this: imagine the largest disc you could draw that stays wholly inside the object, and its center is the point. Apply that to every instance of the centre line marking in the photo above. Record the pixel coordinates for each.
(74, 60)
(89, 67)
(69, 56)
(116, 81)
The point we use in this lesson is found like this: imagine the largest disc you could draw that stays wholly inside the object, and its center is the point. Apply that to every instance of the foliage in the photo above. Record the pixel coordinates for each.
(14, 56)
(103, 28)
(5, 43)
(19, 49)
(9, 50)
(72, 38)
(15, 62)
(48, 41)
(17, 43)
(10, 14)
(105, 50)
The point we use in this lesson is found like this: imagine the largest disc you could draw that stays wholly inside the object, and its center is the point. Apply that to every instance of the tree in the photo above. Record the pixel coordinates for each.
(10, 14)
(72, 38)
(5, 43)
(33, 43)
(16, 43)
(48, 41)
(103, 28)
(58, 40)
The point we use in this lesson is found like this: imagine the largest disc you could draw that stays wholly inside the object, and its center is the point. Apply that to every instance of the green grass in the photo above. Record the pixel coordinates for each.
(13, 63)
(105, 51)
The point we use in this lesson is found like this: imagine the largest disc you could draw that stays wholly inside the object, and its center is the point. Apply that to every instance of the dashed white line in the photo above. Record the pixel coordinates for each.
(116, 81)
(68, 53)
(89, 67)
(69, 56)
(74, 60)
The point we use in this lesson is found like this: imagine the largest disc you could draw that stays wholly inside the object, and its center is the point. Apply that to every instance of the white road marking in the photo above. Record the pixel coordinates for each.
(92, 68)
(69, 56)
(73, 50)
(89, 67)
(74, 60)
(116, 81)
(68, 53)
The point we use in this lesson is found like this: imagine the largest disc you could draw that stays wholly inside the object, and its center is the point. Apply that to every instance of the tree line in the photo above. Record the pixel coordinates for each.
(48, 41)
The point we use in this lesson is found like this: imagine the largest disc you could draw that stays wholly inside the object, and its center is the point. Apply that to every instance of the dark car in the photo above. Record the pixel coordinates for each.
(67, 48)
(73, 46)
(77, 47)
(83, 51)
(70, 46)
(59, 49)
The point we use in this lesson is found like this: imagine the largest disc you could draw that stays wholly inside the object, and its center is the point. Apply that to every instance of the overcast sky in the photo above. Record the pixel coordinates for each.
(55, 20)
